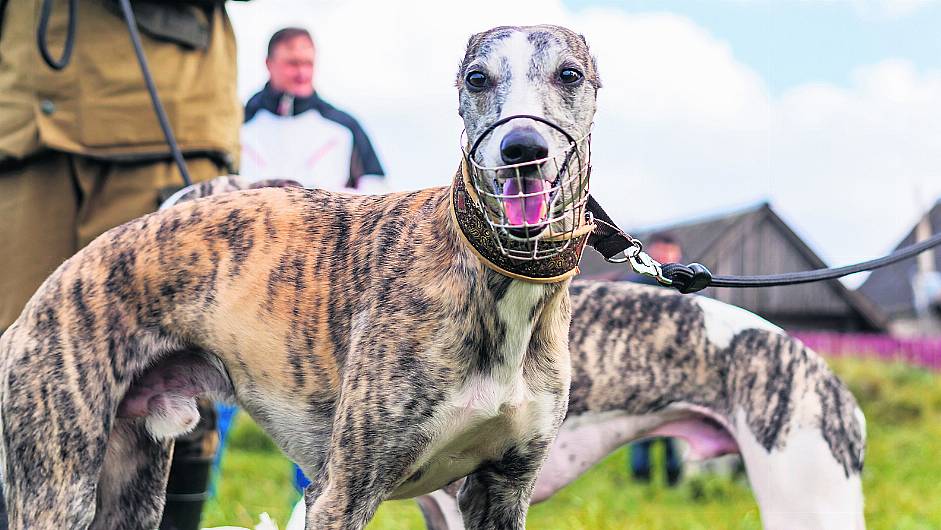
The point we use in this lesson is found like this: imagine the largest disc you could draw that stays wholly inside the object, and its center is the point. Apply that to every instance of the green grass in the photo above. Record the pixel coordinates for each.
(902, 479)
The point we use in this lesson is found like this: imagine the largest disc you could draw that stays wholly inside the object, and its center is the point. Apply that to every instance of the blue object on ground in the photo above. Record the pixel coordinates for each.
(225, 418)
(300, 479)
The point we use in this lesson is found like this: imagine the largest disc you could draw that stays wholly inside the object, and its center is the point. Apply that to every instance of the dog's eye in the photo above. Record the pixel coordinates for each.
(477, 80)
(570, 76)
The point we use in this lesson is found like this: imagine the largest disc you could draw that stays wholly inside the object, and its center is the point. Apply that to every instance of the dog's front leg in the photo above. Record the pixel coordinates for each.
(496, 496)
(364, 465)
(377, 437)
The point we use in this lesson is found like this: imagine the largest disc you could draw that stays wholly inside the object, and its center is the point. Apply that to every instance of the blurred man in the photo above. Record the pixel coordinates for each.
(81, 150)
(664, 248)
(290, 132)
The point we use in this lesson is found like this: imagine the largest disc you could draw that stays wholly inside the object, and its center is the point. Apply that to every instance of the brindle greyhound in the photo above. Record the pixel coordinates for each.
(371, 337)
(649, 362)
(653, 362)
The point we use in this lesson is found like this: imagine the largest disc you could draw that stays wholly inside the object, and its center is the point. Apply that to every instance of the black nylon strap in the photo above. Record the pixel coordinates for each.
(606, 238)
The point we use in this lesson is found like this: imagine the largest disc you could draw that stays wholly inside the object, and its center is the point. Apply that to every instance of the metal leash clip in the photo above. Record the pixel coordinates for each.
(642, 263)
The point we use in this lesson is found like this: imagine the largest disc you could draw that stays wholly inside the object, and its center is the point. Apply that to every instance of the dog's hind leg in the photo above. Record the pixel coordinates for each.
(58, 398)
(54, 440)
(800, 432)
(811, 478)
(133, 479)
(800, 486)
(43, 495)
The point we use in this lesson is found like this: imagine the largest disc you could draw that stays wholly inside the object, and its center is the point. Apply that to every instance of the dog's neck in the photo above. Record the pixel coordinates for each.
(504, 320)
(473, 230)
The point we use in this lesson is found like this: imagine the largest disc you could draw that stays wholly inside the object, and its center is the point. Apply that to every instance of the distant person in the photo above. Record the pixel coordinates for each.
(290, 132)
(664, 248)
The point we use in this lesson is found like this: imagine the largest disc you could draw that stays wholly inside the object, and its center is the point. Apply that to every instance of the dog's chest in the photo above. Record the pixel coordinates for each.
(479, 425)
(494, 409)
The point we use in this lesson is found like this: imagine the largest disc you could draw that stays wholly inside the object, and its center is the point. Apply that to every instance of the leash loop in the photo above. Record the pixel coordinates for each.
(687, 278)
(42, 30)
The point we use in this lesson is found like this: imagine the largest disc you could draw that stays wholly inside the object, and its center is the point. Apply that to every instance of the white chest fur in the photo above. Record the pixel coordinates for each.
(489, 395)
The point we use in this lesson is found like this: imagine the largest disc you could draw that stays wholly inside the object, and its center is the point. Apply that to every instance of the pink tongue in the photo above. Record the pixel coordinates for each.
(525, 210)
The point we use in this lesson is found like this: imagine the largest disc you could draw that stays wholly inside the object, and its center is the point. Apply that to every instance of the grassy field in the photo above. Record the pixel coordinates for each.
(902, 479)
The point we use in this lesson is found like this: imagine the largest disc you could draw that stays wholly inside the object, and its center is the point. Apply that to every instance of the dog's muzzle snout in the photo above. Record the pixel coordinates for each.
(522, 145)
(535, 202)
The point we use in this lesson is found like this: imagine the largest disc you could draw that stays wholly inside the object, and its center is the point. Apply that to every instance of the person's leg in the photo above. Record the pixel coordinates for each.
(674, 463)
(54, 204)
(38, 206)
(190, 472)
(113, 193)
(640, 460)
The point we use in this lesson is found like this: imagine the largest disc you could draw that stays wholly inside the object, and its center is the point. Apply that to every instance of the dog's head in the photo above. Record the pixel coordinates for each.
(528, 172)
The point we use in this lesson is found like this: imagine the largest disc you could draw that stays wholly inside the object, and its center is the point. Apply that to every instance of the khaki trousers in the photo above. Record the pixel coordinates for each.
(54, 204)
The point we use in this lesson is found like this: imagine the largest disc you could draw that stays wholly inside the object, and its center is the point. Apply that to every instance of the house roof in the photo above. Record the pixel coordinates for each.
(891, 287)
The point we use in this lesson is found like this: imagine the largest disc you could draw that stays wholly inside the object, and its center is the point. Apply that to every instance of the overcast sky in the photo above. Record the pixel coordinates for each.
(829, 110)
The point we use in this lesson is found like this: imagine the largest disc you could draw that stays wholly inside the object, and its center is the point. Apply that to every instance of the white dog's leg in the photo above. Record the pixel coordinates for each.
(800, 485)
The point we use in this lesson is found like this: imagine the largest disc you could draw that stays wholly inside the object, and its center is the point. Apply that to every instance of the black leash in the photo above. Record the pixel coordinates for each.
(610, 241)
(63, 61)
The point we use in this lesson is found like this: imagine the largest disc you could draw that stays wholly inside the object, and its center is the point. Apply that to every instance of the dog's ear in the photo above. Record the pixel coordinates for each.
(594, 68)
(596, 79)
(474, 41)
(473, 44)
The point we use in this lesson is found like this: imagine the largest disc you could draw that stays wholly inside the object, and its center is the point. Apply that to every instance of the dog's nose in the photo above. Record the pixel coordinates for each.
(523, 145)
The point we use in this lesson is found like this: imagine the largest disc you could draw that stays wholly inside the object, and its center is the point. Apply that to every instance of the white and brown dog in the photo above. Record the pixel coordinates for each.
(365, 334)
(651, 362)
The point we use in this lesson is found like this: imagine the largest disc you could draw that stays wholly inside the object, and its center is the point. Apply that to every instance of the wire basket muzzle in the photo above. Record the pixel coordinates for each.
(535, 209)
